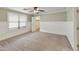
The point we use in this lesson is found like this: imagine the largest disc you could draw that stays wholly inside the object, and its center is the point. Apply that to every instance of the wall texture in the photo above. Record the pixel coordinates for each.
(54, 27)
(54, 23)
(3, 14)
(60, 16)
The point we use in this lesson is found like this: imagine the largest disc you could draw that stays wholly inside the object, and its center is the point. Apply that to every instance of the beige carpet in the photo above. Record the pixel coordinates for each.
(36, 41)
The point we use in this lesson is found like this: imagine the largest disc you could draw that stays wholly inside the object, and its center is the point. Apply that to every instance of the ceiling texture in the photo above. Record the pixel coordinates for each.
(48, 10)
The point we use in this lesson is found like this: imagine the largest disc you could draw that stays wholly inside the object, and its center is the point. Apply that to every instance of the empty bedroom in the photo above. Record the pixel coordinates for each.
(37, 29)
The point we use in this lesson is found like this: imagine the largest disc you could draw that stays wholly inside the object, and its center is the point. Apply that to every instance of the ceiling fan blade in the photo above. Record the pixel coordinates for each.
(42, 10)
(26, 8)
(31, 10)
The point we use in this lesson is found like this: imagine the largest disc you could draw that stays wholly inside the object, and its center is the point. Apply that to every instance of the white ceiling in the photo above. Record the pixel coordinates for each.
(47, 9)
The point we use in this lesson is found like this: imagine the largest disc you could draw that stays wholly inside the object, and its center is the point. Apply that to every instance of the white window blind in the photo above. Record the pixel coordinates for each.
(23, 20)
(13, 20)
(17, 20)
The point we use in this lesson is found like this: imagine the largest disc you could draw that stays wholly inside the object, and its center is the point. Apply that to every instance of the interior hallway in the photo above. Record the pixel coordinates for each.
(36, 41)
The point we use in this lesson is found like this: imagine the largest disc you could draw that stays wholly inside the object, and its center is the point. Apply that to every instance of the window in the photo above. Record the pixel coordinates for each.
(13, 20)
(23, 20)
(16, 20)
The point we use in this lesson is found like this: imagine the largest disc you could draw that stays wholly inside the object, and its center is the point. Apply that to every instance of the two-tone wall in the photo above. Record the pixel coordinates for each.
(54, 23)
(60, 23)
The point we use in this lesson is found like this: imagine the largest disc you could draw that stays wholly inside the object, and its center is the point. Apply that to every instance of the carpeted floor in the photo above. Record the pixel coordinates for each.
(36, 41)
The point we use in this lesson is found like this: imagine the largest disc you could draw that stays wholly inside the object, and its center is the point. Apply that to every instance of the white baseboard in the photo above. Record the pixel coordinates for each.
(52, 32)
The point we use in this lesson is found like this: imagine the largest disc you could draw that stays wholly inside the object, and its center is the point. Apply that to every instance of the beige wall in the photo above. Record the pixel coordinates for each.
(3, 14)
(60, 16)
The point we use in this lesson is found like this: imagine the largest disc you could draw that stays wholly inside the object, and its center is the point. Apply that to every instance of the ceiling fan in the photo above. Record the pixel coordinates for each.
(35, 10)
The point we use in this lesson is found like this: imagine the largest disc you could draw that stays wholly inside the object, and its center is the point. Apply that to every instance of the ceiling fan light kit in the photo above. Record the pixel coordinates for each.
(35, 10)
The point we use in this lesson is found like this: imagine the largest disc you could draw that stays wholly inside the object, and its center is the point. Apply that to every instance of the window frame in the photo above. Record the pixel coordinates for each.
(19, 27)
(23, 21)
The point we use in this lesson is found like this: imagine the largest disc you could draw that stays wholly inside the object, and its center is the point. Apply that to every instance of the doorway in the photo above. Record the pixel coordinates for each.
(35, 23)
